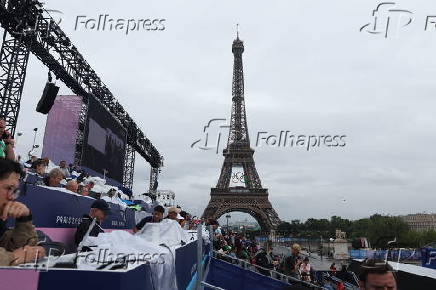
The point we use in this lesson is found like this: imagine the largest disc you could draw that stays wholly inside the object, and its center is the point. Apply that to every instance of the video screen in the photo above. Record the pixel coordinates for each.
(105, 142)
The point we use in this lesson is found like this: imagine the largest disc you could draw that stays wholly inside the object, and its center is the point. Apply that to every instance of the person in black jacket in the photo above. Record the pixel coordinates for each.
(265, 260)
(155, 218)
(99, 210)
(292, 263)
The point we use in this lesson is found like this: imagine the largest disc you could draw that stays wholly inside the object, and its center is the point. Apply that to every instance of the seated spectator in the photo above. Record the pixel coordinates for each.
(63, 167)
(71, 168)
(72, 185)
(155, 218)
(32, 159)
(83, 190)
(54, 178)
(99, 210)
(39, 167)
(17, 246)
(173, 212)
(377, 274)
(90, 185)
(37, 173)
(47, 161)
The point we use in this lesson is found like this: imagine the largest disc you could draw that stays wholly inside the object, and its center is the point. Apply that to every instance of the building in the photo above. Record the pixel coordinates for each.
(420, 221)
(245, 224)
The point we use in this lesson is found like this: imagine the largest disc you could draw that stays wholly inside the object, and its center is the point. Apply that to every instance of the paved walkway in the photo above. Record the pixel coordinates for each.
(324, 264)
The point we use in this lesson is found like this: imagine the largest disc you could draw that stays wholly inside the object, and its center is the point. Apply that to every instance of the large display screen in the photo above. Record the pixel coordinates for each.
(105, 142)
(61, 129)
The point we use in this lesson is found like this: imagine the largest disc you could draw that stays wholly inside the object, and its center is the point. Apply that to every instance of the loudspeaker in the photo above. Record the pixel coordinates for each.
(48, 98)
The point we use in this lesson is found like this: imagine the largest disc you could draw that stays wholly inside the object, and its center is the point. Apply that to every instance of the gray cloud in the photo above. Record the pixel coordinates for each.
(307, 69)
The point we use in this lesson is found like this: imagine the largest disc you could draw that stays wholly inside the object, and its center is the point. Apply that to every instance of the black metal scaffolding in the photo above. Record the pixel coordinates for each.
(29, 28)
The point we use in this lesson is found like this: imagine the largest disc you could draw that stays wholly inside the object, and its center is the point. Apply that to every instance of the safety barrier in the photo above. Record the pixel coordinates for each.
(272, 273)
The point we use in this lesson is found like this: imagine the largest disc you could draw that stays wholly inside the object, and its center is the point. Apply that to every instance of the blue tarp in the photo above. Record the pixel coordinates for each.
(186, 261)
(72, 279)
(231, 277)
(413, 255)
(52, 208)
(429, 258)
(136, 279)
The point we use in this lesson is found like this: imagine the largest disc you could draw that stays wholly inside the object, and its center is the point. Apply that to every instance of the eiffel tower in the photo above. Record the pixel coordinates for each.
(247, 195)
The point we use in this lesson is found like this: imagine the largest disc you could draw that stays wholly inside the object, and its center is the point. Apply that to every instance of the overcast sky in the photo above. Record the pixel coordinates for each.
(308, 69)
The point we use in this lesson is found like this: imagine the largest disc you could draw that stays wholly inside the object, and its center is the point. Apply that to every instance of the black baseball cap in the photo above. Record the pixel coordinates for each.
(101, 205)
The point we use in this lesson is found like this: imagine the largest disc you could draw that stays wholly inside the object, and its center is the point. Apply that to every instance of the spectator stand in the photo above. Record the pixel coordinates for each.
(57, 212)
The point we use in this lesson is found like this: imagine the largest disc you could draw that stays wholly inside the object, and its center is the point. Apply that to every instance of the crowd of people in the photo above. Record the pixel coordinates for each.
(234, 247)
(21, 244)
(62, 176)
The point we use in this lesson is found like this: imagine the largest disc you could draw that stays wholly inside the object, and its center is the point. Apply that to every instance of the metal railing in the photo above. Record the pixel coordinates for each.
(272, 273)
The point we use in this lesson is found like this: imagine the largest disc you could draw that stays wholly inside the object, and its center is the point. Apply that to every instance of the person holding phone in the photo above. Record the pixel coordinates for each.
(6, 141)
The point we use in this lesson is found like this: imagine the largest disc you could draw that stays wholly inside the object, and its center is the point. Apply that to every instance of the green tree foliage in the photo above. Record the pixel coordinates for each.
(378, 229)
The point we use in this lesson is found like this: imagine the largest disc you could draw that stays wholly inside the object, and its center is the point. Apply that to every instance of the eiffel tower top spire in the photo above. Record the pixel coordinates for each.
(238, 133)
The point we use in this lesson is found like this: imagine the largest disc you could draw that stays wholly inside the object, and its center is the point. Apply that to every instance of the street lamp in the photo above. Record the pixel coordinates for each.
(34, 141)
(321, 247)
(227, 217)
(34, 146)
(19, 134)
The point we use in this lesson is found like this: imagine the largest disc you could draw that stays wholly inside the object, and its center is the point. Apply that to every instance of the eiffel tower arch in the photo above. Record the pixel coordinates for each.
(239, 187)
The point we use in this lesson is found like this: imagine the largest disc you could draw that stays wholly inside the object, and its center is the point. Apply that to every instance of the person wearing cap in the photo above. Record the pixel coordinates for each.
(174, 213)
(99, 210)
(291, 264)
(157, 216)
